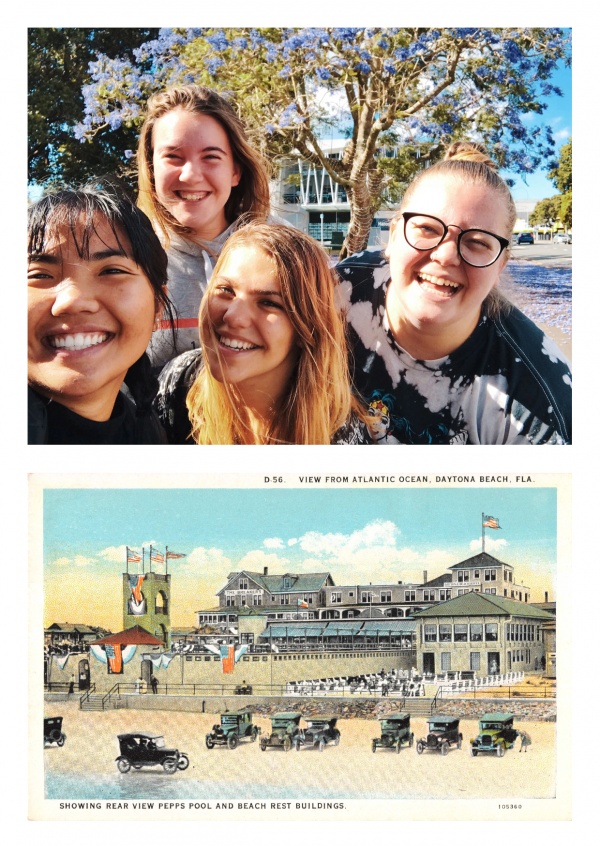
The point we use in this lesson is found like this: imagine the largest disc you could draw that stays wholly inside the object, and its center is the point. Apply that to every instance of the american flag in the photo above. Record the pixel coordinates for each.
(133, 556)
(157, 556)
(227, 657)
(176, 554)
(491, 522)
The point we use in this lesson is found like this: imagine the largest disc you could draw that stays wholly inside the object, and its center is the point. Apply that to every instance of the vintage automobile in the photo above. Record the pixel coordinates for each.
(319, 732)
(395, 732)
(496, 734)
(142, 749)
(235, 725)
(53, 732)
(284, 730)
(243, 689)
(442, 732)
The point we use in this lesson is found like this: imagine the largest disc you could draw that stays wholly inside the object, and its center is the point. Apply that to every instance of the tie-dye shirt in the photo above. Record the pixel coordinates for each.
(508, 383)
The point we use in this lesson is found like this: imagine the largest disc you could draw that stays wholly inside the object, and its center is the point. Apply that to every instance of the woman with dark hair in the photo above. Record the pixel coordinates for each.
(96, 286)
(197, 177)
(429, 329)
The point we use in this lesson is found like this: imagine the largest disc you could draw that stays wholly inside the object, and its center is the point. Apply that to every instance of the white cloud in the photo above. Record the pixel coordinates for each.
(256, 559)
(203, 559)
(273, 543)
(375, 534)
(490, 543)
(77, 561)
(114, 553)
(562, 134)
(292, 542)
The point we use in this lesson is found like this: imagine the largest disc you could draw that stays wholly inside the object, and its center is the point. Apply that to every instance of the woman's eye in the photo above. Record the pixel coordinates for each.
(35, 275)
(113, 271)
(272, 304)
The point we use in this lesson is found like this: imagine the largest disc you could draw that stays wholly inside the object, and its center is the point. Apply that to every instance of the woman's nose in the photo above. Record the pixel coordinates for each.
(446, 251)
(74, 296)
(238, 312)
(191, 171)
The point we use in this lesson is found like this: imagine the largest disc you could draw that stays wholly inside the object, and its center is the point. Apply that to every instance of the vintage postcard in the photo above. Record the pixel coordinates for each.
(299, 647)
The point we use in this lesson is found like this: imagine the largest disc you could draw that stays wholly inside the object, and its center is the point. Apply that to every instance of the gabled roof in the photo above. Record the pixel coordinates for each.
(479, 604)
(483, 559)
(73, 627)
(275, 583)
(439, 581)
(135, 636)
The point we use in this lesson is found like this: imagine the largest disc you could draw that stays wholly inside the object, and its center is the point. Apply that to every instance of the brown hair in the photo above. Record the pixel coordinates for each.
(469, 161)
(250, 196)
(319, 400)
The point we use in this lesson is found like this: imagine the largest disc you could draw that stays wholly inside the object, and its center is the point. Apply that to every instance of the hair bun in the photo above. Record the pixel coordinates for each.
(469, 151)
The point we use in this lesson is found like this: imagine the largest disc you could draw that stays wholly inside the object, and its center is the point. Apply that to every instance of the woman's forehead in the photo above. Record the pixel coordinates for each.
(458, 200)
(88, 234)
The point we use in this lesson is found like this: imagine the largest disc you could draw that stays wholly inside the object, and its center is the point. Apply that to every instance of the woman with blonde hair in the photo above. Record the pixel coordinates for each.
(457, 363)
(197, 174)
(273, 364)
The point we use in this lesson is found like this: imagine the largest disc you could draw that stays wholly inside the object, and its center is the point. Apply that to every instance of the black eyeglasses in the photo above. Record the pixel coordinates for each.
(475, 246)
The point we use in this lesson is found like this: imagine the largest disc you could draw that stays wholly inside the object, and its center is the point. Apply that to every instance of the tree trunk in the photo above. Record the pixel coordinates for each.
(363, 206)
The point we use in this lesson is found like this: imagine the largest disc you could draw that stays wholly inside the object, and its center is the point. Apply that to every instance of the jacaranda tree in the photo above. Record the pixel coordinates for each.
(411, 89)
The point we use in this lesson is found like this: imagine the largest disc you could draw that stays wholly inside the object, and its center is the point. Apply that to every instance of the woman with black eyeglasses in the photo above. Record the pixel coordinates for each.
(457, 363)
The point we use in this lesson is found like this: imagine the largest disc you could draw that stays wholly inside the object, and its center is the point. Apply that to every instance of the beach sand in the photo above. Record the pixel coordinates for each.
(350, 770)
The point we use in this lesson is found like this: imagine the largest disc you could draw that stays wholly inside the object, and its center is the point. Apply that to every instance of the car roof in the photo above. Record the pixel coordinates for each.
(319, 719)
(399, 715)
(443, 719)
(241, 713)
(287, 715)
(498, 716)
(139, 734)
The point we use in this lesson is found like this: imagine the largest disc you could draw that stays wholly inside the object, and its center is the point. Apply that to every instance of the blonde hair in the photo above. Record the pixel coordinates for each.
(469, 161)
(250, 197)
(319, 399)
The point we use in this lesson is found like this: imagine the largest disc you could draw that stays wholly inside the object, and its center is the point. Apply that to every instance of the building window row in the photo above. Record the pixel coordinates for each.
(521, 632)
(459, 632)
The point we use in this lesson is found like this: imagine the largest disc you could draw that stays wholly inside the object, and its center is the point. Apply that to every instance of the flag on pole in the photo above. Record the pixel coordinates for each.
(302, 603)
(176, 554)
(133, 557)
(158, 557)
(491, 522)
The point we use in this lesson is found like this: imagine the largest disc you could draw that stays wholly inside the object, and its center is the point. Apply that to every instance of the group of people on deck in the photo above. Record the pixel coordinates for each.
(196, 316)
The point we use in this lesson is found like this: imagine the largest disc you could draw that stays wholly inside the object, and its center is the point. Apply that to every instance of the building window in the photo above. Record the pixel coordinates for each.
(476, 632)
(386, 596)
(460, 633)
(430, 633)
(229, 600)
(446, 593)
(475, 661)
(476, 574)
(428, 596)
(257, 599)
(490, 575)
(336, 596)
(410, 595)
(491, 631)
(445, 633)
(445, 662)
(243, 585)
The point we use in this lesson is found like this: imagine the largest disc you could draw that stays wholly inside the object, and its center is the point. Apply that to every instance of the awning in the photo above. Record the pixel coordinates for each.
(341, 629)
(382, 628)
(293, 630)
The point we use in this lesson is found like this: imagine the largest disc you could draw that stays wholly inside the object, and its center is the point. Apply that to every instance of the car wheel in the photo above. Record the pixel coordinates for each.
(287, 744)
(321, 745)
(500, 750)
(444, 749)
(398, 747)
(123, 765)
(183, 762)
(170, 766)
(232, 741)
(263, 744)
(473, 752)
(336, 739)
(373, 746)
(459, 742)
(420, 747)
(209, 742)
(296, 745)
(254, 735)
(61, 740)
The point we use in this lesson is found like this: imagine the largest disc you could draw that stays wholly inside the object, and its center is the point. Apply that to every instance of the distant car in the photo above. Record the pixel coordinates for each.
(442, 733)
(496, 734)
(525, 238)
(53, 732)
(320, 732)
(562, 238)
(141, 749)
(234, 726)
(284, 730)
(395, 732)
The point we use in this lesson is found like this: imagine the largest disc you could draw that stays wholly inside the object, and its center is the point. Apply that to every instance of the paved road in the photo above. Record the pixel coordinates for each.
(544, 251)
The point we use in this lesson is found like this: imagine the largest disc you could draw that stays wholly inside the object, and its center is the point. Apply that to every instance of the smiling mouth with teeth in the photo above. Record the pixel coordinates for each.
(193, 197)
(234, 344)
(78, 341)
(442, 285)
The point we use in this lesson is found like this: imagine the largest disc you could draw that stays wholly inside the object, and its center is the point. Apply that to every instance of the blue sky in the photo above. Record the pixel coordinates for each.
(558, 115)
(359, 535)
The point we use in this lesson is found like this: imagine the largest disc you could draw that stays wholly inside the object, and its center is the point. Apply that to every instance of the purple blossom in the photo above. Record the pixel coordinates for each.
(362, 67)
(218, 41)
(323, 73)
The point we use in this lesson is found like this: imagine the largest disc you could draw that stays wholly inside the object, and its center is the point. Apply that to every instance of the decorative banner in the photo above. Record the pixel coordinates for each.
(98, 653)
(137, 601)
(167, 658)
(61, 660)
(127, 652)
(227, 652)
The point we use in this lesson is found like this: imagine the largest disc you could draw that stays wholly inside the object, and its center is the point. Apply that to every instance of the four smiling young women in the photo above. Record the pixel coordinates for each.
(251, 325)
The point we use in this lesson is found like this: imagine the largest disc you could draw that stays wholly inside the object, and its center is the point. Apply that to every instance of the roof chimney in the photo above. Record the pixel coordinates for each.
(265, 571)
(545, 596)
(424, 576)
